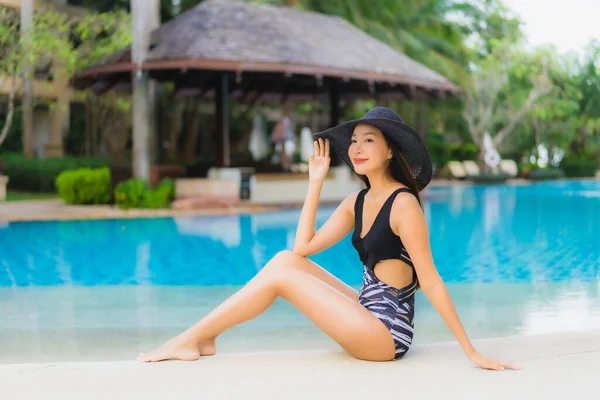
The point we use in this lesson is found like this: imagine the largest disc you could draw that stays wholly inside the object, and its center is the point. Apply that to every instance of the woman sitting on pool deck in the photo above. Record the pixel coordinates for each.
(390, 236)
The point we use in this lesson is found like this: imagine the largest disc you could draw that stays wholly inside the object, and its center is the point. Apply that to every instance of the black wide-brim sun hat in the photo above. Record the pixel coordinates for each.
(391, 125)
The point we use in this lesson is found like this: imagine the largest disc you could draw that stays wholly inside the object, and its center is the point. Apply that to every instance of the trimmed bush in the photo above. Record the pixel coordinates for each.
(39, 175)
(489, 177)
(160, 196)
(541, 174)
(130, 193)
(579, 169)
(85, 186)
(134, 193)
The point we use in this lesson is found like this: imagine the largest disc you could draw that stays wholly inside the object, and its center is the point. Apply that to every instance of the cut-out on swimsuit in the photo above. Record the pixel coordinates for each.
(393, 306)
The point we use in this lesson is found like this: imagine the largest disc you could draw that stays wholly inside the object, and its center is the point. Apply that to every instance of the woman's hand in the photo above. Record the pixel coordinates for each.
(318, 162)
(487, 363)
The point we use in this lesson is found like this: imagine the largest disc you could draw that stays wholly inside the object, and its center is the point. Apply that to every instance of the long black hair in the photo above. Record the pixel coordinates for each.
(399, 170)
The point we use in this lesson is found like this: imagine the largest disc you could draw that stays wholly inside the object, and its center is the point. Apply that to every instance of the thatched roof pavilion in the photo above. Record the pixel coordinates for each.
(249, 52)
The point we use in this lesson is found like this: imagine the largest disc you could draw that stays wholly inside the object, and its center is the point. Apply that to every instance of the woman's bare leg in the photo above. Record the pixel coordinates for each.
(322, 274)
(338, 315)
(208, 347)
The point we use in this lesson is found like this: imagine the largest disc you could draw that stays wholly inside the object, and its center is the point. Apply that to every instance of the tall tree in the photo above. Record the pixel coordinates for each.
(10, 62)
(56, 41)
(486, 22)
(587, 144)
(504, 88)
(26, 22)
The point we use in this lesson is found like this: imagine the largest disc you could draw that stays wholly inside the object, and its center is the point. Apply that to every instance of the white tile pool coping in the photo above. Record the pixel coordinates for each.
(555, 366)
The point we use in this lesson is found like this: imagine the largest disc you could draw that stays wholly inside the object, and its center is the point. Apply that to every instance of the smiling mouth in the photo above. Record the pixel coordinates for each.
(359, 160)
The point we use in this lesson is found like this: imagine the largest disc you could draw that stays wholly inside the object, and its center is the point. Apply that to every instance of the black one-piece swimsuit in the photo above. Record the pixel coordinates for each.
(393, 306)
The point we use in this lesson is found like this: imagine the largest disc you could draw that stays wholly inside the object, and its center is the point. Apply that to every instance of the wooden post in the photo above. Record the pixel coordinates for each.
(145, 18)
(222, 125)
(27, 99)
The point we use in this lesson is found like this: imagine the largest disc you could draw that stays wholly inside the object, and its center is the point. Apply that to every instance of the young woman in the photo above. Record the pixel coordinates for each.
(390, 236)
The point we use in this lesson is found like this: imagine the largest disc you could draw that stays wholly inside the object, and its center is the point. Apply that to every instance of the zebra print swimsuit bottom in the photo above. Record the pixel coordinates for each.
(394, 307)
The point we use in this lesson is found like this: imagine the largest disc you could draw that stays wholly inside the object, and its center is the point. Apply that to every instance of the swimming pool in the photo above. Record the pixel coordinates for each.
(517, 260)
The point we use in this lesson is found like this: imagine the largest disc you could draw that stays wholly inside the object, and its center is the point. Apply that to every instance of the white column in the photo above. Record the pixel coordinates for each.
(145, 17)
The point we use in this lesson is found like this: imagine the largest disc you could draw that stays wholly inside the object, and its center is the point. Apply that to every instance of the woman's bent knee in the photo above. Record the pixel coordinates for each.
(285, 257)
(282, 260)
(288, 255)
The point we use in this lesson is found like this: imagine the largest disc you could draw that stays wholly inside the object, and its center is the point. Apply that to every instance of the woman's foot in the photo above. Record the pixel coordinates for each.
(208, 347)
(176, 349)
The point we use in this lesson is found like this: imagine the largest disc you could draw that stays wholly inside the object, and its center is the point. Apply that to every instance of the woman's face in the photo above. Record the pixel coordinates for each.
(368, 150)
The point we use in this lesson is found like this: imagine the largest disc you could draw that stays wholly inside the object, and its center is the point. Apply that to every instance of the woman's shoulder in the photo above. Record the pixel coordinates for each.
(405, 202)
(349, 201)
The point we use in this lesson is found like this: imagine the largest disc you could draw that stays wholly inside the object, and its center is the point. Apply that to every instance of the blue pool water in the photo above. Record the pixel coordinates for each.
(532, 233)
(518, 260)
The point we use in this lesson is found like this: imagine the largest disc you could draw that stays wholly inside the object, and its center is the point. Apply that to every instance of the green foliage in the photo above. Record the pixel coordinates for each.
(12, 142)
(57, 45)
(542, 174)
(589, 80)
(441, 151)
(130, 193)
(488, 22)
(135, 193)
(578, 169)
(489, 177)
(58, 41)
(85, 186)
(459, 39)
(168, 9)
(10, 56)
(99, 35)
(39, 175)
(423, 30)
(159, 196)
(22, 196)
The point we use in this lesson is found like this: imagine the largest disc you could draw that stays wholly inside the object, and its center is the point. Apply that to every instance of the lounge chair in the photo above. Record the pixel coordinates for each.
(509, 167)
(475, 174)
(471, 168)
(456, 170)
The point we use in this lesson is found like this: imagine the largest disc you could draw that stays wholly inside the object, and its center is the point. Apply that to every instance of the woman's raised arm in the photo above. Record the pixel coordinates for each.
(339, 224)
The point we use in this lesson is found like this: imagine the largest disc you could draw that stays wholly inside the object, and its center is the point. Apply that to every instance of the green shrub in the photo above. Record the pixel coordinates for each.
(540, 174)
(130, 193)
(441, 151)
(488, 177)
(579, 169)
(159, 196)
(39, 175)
(468, 151)
(134, 193)
(85, 186)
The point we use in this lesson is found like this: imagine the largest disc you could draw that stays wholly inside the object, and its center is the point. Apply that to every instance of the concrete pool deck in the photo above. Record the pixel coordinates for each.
(555, 366)
(56, 210)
